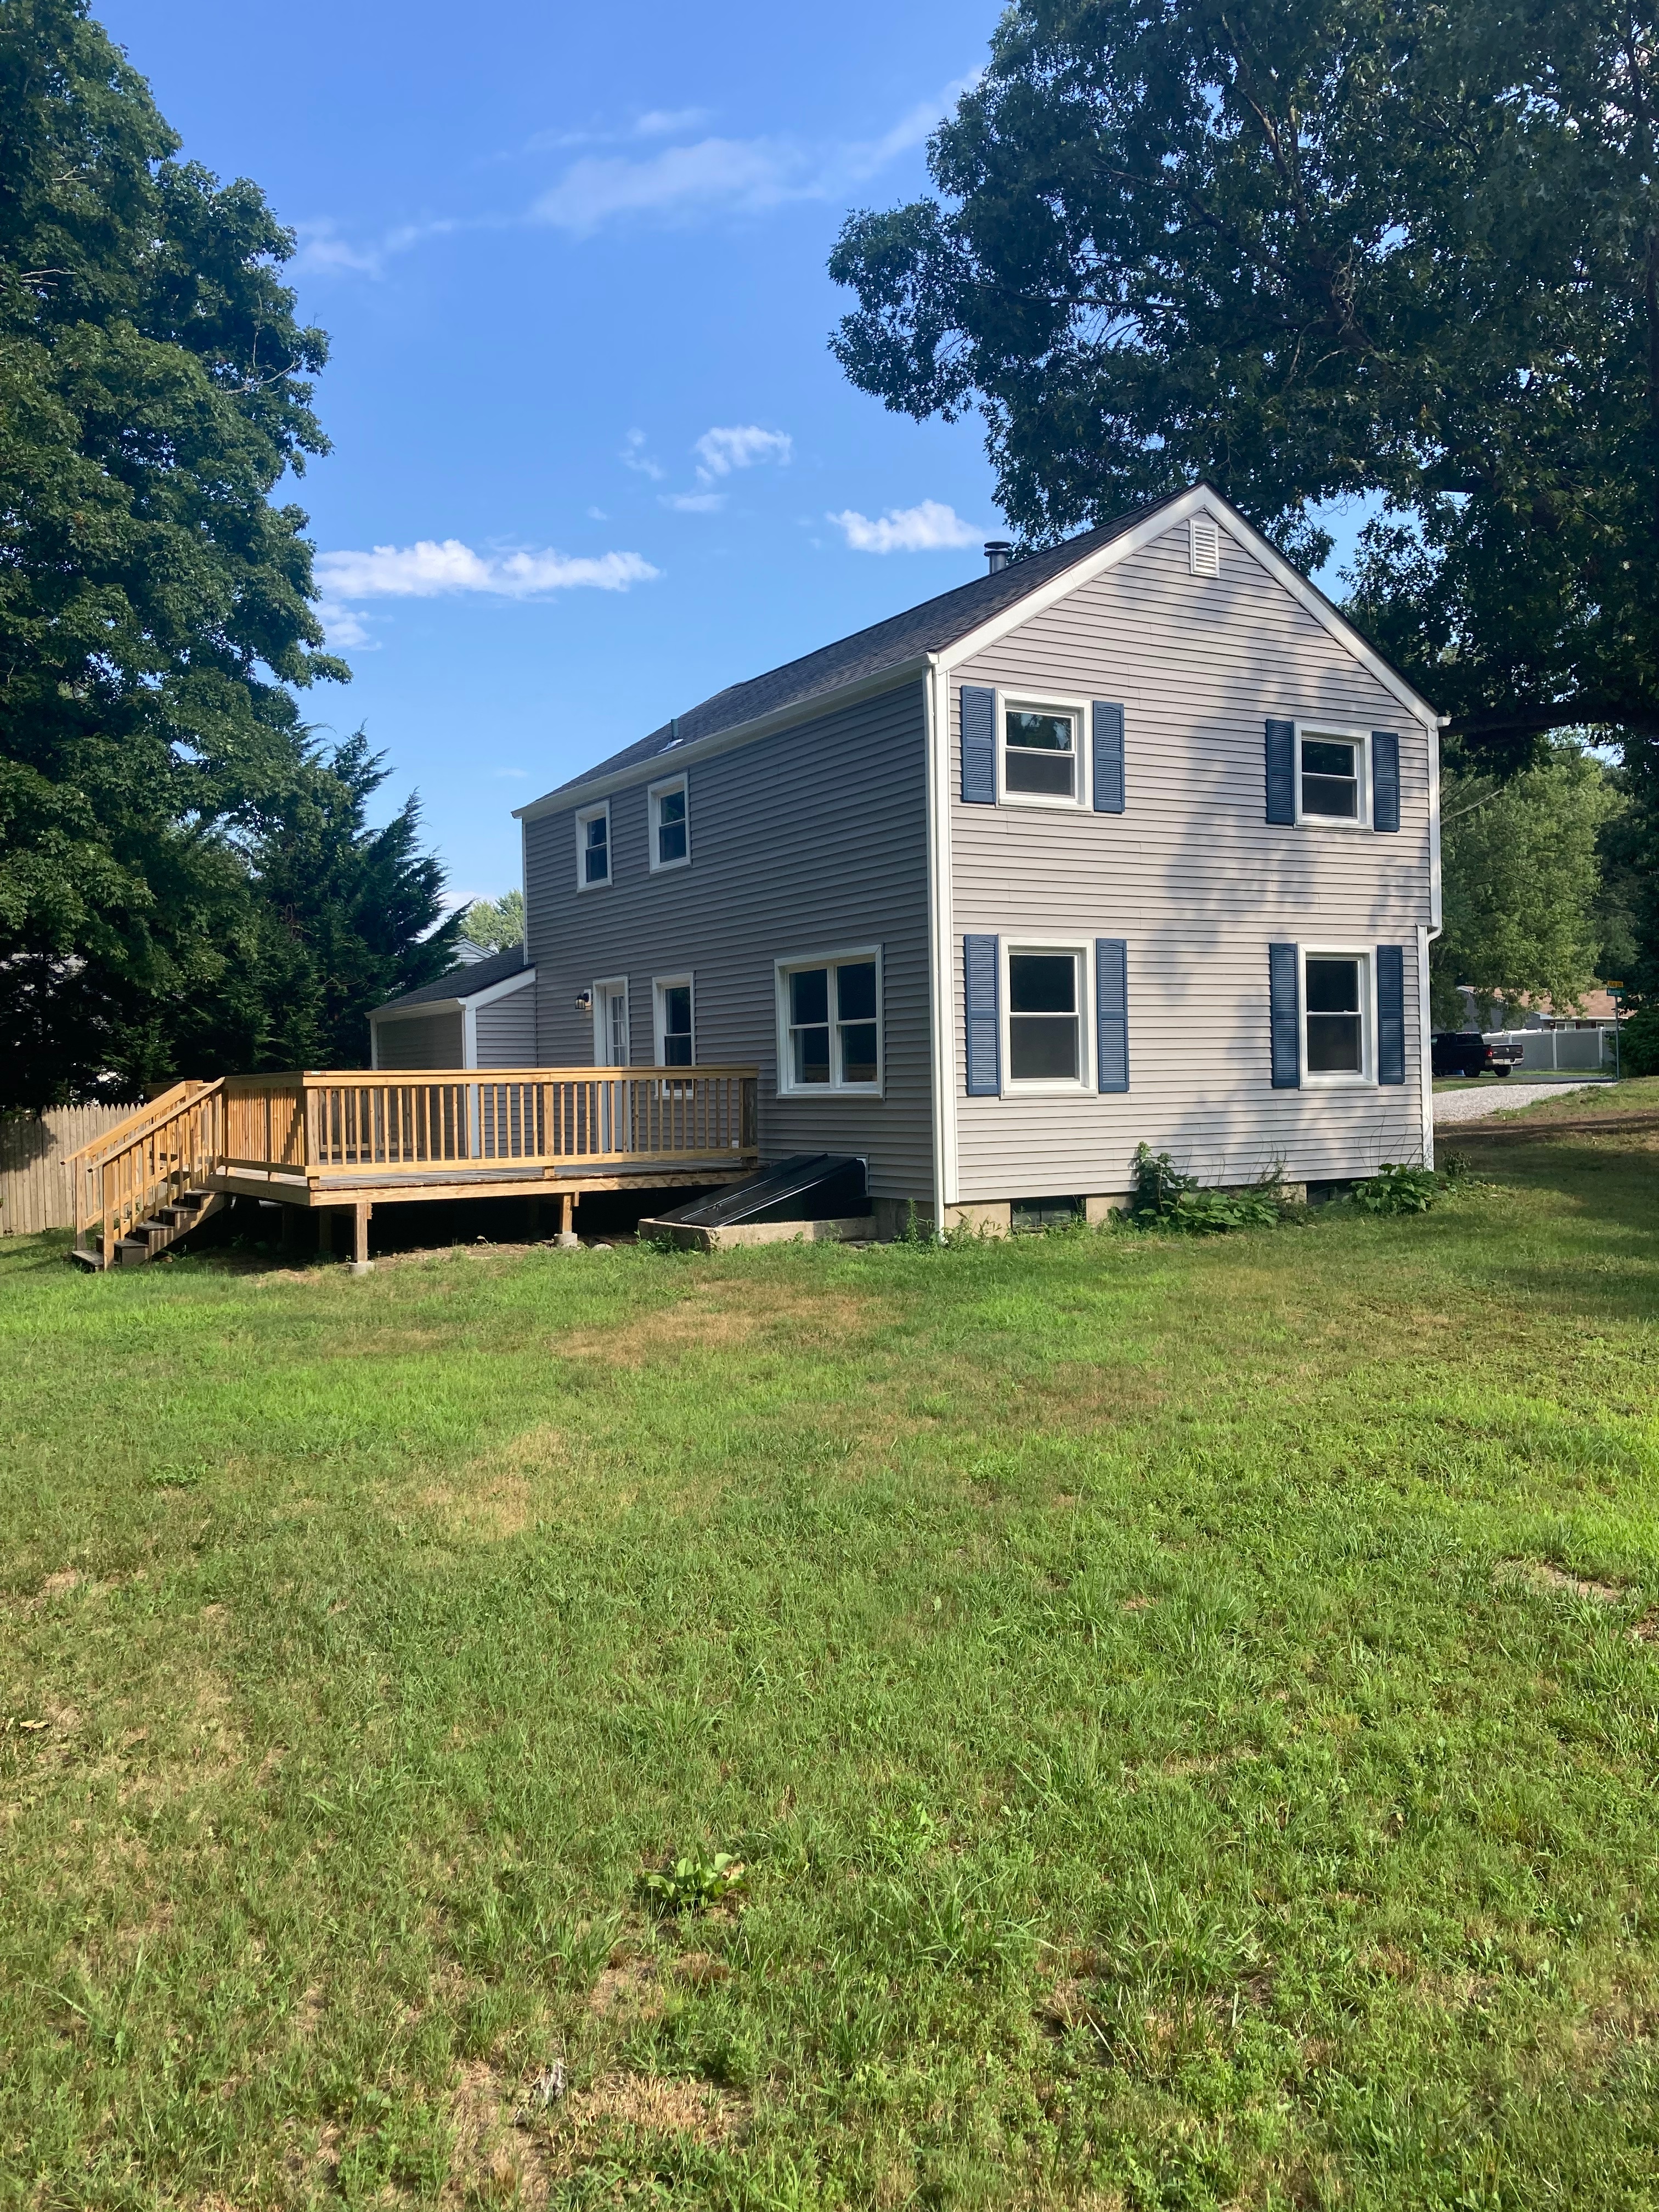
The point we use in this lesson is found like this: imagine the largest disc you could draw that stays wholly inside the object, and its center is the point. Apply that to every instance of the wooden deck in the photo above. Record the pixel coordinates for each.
(353, 1140)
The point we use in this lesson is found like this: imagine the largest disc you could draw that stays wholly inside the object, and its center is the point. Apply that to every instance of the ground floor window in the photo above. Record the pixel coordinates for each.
(1045, 1024)
(829, 1023)
(674, 1035)
(1029, 1216)
(1336, 1000)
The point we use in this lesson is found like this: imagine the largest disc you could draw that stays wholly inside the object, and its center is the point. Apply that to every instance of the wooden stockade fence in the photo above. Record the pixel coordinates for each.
(36, 1189)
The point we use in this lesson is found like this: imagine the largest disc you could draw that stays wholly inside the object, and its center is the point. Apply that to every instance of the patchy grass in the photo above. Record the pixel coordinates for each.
(1187, 1711)
(1637, 1094)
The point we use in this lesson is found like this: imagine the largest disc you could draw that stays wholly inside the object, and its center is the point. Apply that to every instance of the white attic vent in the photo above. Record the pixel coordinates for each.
(1204, 546)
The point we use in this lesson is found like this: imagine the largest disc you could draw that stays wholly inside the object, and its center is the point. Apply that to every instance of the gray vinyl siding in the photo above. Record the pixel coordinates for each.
(506, 1029)
(421, 1040)
(809, 841)
(1194, 879)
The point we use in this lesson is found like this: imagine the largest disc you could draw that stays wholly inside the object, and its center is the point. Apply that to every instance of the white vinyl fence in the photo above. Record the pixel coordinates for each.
(1550, 1052)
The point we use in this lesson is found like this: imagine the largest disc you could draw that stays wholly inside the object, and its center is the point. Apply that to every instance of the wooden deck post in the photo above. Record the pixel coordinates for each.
(567, 1217)
(361, 1262)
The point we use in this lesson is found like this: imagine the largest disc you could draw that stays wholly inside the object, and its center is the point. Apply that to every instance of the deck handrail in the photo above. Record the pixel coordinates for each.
(157, 1156)
(142, 1118)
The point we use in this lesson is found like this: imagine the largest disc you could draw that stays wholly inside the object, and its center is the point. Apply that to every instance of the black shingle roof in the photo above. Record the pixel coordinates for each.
(926, 629)
(464, 982)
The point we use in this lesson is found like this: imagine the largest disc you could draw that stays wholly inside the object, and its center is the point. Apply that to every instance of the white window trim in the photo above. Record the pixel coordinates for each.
(1366, 1080)
(1045, 703)
(1362, 738)
(781, 971)
(602, 988)
(584, 815)
(1049, 1086)
(659, 985)
(655, 792)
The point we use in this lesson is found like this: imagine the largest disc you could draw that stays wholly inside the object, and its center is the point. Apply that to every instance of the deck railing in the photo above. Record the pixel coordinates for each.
(337, 1129)
(164, 1149)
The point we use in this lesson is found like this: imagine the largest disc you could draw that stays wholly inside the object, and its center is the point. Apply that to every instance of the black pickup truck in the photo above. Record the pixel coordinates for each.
(1465, 1051)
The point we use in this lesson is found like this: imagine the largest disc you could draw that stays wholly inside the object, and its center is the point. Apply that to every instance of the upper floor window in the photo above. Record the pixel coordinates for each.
(1042, 754)
(670, 824)
(829, 1023)
(674, 1035)
(593, 846)
(1330, 774)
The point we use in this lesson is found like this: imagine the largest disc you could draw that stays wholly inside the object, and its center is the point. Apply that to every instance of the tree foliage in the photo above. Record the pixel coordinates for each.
(155, 616)
(1308, 248)
(1522, 880)
(497, 923)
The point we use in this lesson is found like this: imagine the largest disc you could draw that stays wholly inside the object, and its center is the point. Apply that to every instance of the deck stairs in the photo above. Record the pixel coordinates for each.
(146, 1239)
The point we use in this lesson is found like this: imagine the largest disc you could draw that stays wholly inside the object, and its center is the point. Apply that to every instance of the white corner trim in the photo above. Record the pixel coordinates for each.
(1425, 1039)
(941, 941)
(1200, 499)
(1434, 829)
(651, 769)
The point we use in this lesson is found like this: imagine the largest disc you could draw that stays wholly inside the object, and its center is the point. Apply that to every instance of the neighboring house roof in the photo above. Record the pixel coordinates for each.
(896, 643)
(465, 981)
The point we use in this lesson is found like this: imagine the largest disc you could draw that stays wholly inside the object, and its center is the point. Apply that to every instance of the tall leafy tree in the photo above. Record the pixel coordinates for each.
(497, 923)
(155, 603)
(1522, 870)
(1316, 247)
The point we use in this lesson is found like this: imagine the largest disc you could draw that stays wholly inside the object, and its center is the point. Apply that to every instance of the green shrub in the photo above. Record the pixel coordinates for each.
(1399, 1190)
(1164, 1196)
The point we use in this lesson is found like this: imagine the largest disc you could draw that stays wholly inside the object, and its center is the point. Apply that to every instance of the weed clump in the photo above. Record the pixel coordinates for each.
(692, 1883)
(1164, 1198)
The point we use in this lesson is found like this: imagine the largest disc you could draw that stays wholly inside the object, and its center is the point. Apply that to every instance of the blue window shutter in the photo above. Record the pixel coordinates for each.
(983, 1026)
(979, 746)
(1112, 1012)
(1286, 1002)
(1385, 782)
(1109, 758)
(1281, 772)
(1391, 1013)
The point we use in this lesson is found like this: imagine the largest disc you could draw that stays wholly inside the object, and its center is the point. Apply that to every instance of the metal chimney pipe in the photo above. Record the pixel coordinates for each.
(999, 552)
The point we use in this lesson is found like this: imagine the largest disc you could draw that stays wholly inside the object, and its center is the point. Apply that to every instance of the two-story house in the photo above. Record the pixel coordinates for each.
(1134, 839)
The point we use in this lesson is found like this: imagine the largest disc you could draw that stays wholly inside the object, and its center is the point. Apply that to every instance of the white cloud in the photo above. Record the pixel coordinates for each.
(323, 252)
(633, 456)
(693, 502)
(928, 527)
(598, 514)
(739, 174)
(719, 452)
(433, 568)
(664, 122)
(517, 774)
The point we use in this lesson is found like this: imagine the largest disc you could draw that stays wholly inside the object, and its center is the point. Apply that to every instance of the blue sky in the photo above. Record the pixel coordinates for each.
(593, 459)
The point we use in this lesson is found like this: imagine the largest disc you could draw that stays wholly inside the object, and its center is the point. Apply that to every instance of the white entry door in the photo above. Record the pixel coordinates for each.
(610, 1050)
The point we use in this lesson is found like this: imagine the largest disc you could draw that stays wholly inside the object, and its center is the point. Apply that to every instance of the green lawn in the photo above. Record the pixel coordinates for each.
(1186, 1710)
(1636, 1094)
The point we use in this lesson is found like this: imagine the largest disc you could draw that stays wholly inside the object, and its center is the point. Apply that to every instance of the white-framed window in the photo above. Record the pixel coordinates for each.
(593, 846)
(1333, 775)
(611, 1022)
(1338, 1017)
(669, 804)
(829, 1024)
(1047, 992)
(676, 1037)
(1042, 751)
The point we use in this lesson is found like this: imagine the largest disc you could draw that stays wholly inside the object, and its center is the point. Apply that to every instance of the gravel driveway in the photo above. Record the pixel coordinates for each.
(1475, 1105)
